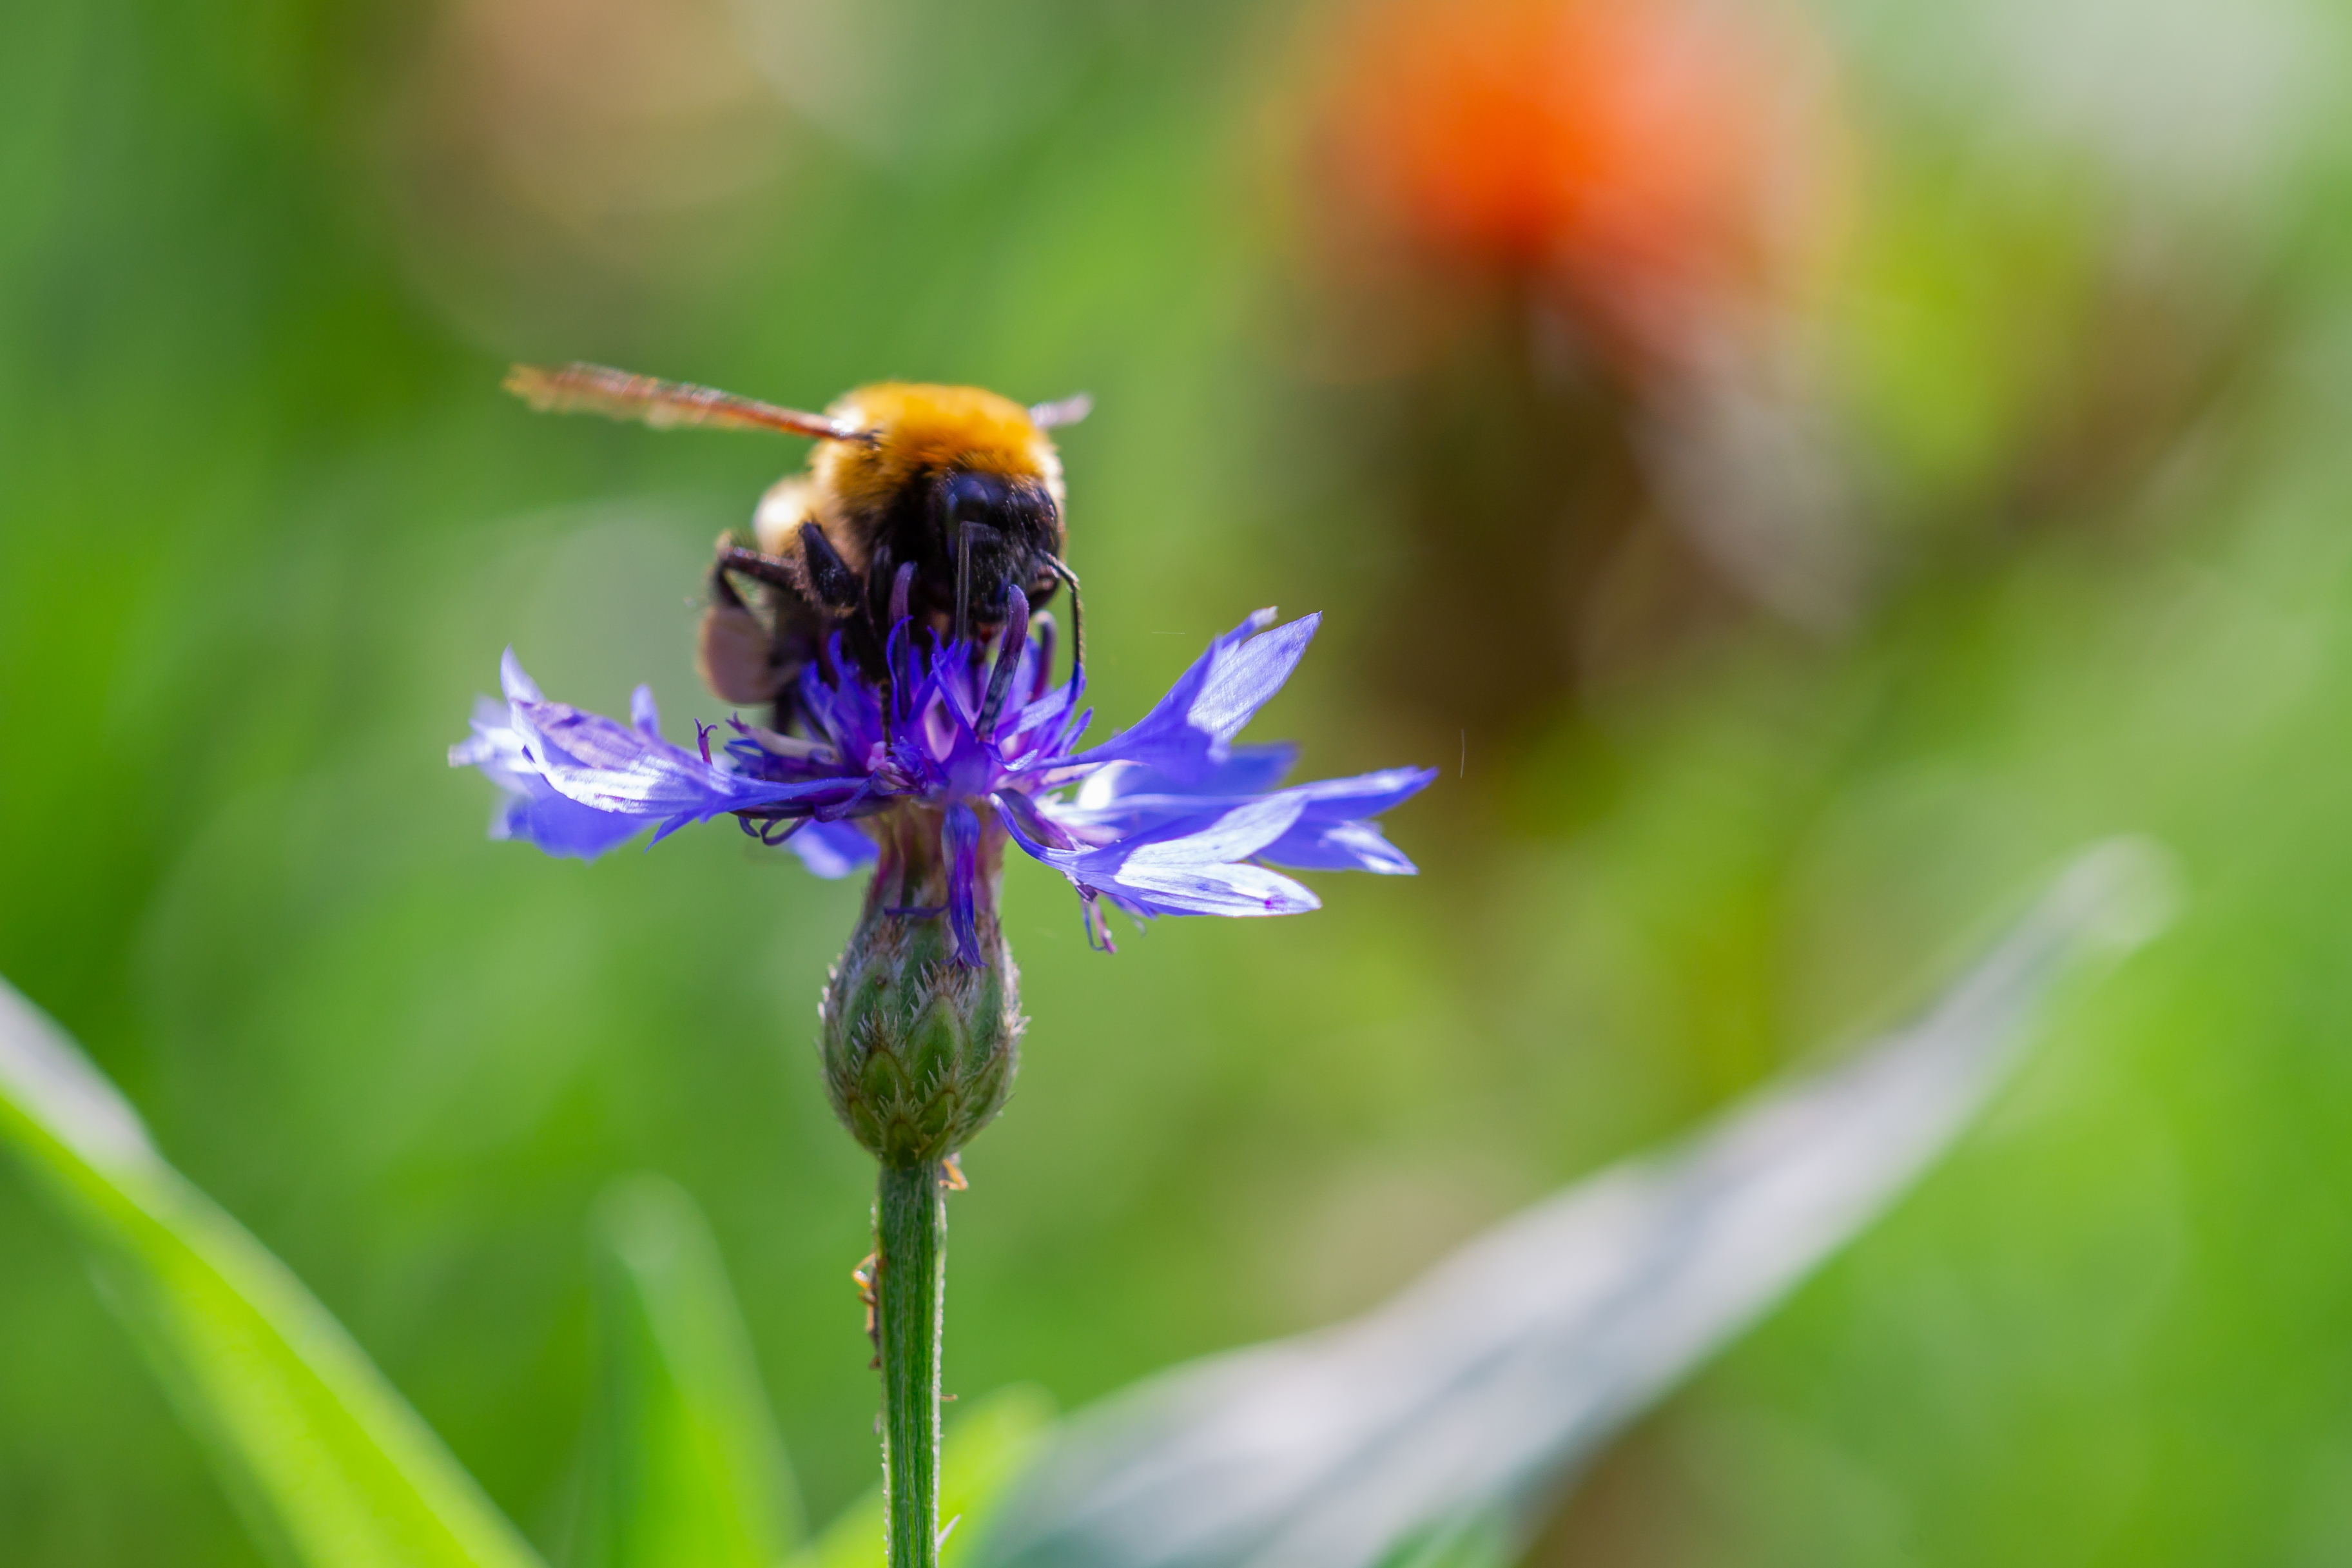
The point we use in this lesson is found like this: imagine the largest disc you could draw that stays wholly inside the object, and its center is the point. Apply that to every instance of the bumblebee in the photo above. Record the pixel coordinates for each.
(918, 500)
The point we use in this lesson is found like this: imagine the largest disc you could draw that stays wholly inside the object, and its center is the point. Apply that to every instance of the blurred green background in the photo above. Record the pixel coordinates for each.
(1871, 449)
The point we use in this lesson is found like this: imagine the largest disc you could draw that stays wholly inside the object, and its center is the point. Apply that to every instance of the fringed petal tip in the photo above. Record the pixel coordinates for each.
(1189, 731)
(517, 687)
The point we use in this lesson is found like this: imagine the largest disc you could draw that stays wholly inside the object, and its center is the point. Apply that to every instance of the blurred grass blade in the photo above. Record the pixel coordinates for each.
(984, 1450)
(1485, 1380)
(689, 1471)
(328, 1464)
(1487, 1539)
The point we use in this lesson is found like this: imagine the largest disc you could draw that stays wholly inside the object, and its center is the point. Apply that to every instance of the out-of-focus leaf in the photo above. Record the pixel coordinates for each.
(1480, 1384)
(1487, 1539)
(689, 1471)
(328, 1464)
(983, 1452)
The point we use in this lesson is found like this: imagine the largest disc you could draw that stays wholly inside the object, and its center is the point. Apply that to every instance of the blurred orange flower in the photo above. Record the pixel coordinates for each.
(1646, 159)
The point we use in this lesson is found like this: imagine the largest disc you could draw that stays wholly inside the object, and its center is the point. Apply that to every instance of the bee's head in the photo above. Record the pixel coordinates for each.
(961, 484)
(993, 531)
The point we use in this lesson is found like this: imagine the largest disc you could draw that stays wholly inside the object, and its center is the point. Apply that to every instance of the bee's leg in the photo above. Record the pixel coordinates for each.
(723, 589)
(736, 650)
(819, 585)
(771, 569)
(831, 583)
(839, 594)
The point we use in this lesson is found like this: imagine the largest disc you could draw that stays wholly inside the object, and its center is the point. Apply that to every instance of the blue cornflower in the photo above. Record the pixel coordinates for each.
(1167, 818)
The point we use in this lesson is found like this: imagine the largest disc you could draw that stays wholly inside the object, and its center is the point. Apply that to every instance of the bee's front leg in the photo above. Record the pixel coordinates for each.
(815, 589)
(831, 583)
(736, 650)
(771, 569)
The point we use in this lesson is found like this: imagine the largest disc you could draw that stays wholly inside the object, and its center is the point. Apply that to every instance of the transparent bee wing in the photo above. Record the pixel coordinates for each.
(617, 394)
(1062, 410)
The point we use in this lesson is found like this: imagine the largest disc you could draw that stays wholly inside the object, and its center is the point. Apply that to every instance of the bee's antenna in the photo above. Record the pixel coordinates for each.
(1054, 564)
(964, 582)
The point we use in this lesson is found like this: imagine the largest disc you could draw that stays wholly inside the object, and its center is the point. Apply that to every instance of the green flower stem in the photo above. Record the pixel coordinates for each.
(910, 1288)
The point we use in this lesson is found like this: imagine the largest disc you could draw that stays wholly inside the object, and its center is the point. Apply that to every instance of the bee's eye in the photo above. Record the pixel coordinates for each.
(972, 497)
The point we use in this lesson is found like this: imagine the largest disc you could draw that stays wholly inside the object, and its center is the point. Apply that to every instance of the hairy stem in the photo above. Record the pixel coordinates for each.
(911, 1299)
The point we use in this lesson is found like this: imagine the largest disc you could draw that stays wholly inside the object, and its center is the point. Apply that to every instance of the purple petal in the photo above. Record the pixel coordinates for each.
(518, 687)
(831, 850)
(1338, 846)
(1243, 681)
(1234, 891)
(1173, 818)
(959, 836)
(1014, 804)
(562, 827)
(494, 746)
(1202, 871)
(530, 808)
(1046, 714)
(614, 768)
(579, 783)
(1326, 803)
(1011, 649)
(1231, 836)
(1362, 794)
(1187, 731)
(1247, 771)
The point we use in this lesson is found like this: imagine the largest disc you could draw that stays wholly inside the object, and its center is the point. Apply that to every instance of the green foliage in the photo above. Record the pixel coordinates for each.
(688, 1470)
(1479, 1540)
(1424, 1430)
(982, 1453)
(329, 1466)
(264, 524)
(1418, 1431)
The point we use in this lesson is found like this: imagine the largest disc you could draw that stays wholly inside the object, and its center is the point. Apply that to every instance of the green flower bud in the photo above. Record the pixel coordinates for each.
(921, 1038)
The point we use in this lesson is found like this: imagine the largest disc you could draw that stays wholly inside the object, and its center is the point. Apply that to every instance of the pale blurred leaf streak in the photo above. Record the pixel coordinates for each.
(328, 1464)
(1481, 1385)
(1487, 1539)
(690, 1470)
